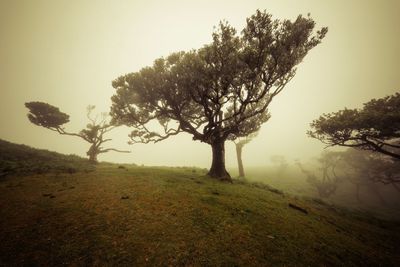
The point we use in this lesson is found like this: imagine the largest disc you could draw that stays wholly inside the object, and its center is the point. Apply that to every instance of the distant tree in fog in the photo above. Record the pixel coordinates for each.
(240, 142)
(50, 117)
(375, 127)
(219, 92)
(325, 180)
(280, 162)
(365, 169)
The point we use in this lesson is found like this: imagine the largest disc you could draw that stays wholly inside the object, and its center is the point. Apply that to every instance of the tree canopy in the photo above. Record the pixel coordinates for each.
(220, 91)
(50, 117)
(375, 127)
(45, 115)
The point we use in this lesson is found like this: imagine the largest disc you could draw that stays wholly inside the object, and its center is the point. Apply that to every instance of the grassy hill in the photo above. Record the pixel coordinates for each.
(123, 215)
(22, 159)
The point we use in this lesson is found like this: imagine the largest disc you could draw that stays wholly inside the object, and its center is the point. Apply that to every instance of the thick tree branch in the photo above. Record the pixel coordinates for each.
(113, 149)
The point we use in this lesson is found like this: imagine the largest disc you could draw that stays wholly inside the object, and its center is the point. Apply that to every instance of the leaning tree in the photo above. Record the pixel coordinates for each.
(50, 117)
(219, 91)
(375, 127)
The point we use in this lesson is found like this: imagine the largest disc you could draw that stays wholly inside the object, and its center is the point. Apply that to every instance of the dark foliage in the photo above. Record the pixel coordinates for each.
(375, 127)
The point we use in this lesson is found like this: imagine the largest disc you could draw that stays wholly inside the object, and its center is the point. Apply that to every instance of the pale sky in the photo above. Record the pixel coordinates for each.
(66, 53)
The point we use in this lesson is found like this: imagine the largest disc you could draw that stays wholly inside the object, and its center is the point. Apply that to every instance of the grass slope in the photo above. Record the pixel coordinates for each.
(22, 159)
(140, 216)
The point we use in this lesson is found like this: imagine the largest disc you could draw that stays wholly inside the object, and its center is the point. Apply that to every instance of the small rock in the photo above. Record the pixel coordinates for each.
(271, 236)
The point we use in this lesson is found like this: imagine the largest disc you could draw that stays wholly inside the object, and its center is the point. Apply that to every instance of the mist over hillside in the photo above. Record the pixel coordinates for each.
(212, 133)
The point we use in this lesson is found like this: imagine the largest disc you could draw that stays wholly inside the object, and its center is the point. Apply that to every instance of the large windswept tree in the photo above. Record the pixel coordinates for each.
(375, 127)
(219, 91)
(50, 117)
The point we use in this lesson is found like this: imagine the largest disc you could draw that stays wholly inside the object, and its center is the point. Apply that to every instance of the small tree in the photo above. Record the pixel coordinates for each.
(280, 162)
(50, 117)
(326, 180)
(219, 92)
(239, 144)
(375, 127)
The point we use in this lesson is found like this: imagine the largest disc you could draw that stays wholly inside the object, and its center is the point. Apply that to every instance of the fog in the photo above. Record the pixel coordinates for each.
(66, 53)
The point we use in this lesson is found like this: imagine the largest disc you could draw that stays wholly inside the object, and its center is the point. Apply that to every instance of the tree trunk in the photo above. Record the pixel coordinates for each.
(217, 169)
(239, 159)
(92, 153)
